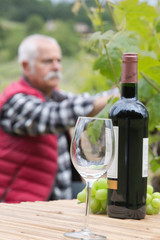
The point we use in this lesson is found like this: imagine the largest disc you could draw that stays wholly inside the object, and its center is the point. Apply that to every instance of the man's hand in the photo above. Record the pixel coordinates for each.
(100, 103)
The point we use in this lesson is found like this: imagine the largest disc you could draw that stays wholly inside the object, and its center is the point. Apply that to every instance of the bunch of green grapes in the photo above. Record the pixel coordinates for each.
(153, 201)
(99, 198)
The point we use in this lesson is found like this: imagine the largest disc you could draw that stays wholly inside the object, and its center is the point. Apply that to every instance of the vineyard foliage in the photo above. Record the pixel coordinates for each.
(136, 29)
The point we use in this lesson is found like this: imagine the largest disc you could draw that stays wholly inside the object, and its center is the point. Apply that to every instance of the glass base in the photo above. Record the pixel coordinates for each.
(84, 234)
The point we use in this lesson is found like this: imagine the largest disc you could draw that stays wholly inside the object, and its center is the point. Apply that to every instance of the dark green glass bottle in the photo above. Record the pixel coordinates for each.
(127, 177)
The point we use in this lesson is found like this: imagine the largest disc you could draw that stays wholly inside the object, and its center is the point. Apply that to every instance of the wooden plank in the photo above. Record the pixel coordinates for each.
(49, 220)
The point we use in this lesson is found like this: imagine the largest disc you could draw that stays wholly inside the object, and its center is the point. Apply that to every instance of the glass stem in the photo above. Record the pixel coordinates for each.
(88, 198)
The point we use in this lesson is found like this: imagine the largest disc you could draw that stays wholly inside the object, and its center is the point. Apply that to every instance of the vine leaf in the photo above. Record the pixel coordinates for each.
(94, 128)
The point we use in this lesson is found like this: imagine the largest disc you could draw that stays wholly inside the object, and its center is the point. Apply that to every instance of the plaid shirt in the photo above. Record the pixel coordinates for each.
(28, 115)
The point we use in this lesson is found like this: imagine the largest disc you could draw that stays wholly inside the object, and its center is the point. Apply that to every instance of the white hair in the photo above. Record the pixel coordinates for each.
(28, 49)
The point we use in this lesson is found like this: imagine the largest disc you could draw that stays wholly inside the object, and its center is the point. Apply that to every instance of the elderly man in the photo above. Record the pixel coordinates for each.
(34, 118)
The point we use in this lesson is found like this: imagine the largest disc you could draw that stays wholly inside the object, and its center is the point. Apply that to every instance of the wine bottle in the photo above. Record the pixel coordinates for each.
(127, 177)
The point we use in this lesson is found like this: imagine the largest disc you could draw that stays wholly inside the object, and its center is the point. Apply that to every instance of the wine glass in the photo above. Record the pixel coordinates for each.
(92, 152)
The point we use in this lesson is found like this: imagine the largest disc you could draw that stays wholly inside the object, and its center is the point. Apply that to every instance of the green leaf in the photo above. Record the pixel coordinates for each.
(137, 16)
(123, 8)
(125, 41)
(95, 83)
(94, 128)
(108, 35)
(158, 127)
(146, 62)
(145, 90)
(94, 38)
(154, 74)
(154, 138)
(98, 38)
(158, 26)
(154, 113)
(150, 67)
(103, 64)
(95, 18)
(104, 113)
(155, 163)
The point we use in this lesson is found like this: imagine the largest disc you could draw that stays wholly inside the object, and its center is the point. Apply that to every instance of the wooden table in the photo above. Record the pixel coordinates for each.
(49, 221)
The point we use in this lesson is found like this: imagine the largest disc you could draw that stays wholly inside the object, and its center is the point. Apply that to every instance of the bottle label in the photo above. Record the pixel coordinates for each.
(112, 184)
(145, 158)
(108, 153)
(113, 169)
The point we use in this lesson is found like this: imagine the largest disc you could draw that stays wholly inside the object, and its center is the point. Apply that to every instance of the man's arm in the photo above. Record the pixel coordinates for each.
(101, 101)
(98, 105)
(27, 115)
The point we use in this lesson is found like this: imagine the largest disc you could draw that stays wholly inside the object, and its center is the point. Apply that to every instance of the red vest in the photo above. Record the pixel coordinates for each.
(28, 164)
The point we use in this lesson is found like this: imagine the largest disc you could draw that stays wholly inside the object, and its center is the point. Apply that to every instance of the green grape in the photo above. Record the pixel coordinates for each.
(94, 188)
(104, 204)
(93, 191)
(149, 209)
(152, 201)
(149, 198)
(81, 196)
(155, 203)
(101, 194)
(155, 210)
(99, 198)
(95, 185)
(102, 183)
(149, 189)
(95, 205)
(156, 195)
(103, 211)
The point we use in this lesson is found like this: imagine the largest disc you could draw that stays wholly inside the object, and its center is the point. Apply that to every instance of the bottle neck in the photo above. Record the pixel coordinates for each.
(129, 90)
(129, 76)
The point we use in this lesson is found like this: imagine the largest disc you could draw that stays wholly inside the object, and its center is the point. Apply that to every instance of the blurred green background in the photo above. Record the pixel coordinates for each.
(55, 18)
